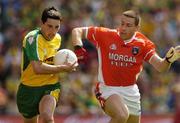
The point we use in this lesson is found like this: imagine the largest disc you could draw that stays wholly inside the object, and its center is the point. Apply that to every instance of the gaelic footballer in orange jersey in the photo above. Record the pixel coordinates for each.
(123, 59)
(121, 53)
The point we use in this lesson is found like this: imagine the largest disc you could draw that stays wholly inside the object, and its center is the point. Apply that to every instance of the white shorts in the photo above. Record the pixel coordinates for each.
(129, 94)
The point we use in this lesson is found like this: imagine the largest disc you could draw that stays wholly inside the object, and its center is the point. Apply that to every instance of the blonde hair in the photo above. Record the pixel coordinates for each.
(133, 14)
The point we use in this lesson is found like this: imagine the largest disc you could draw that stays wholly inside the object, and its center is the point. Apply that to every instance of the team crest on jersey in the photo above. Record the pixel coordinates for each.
(30, 39)
(113, 47)
(135, 50)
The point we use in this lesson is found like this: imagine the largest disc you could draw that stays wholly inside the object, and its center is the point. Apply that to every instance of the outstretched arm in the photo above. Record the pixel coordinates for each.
(163, 64)
(160, 64)
(77, 35)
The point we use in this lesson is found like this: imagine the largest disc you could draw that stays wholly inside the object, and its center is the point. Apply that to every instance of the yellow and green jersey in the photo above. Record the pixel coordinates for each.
(36, 47)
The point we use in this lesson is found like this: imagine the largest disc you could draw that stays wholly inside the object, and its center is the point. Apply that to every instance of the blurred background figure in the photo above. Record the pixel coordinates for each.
(176, 91)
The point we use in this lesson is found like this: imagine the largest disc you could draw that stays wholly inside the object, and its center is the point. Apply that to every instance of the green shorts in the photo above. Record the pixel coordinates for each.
(28, 98)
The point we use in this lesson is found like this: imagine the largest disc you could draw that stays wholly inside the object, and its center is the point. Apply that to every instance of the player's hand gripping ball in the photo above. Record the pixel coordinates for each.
(64, 56)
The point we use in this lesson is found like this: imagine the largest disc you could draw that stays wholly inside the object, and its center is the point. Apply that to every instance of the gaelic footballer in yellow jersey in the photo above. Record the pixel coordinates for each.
(39, 90)
(36, 47)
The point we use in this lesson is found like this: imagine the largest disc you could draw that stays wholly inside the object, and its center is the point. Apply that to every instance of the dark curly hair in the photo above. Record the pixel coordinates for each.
(51, 12)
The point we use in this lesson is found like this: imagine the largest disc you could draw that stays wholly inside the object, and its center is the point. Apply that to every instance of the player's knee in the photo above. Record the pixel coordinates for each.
(121, 117)
(46, 117)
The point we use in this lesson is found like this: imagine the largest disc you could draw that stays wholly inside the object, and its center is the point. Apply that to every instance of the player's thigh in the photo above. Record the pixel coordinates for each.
(31, 120)
(28, 101)
(47, 105)
(49, 100)
(114, 105)
(133, 119)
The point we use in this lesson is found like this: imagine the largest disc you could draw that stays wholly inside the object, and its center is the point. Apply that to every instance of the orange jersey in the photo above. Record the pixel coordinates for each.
(120, 63)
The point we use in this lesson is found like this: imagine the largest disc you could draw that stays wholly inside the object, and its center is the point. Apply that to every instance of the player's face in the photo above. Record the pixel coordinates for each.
(50, 28)
(127, 27)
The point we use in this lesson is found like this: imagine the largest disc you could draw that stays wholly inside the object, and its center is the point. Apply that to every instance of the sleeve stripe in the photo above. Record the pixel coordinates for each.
(100, 72)
(37, 46)
(148, 53)
(151, 58)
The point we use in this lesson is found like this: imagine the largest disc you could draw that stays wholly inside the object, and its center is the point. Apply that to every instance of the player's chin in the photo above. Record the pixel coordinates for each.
(50, 37)
(125, 37)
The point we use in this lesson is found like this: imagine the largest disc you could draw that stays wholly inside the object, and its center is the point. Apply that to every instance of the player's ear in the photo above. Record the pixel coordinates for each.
(41, 23)
(138, 28)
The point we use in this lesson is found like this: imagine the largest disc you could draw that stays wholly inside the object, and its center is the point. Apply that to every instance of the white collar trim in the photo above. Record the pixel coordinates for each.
(131, 39)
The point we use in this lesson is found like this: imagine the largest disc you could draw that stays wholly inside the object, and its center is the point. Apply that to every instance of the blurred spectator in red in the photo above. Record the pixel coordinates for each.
(3, 100)
(176, 90)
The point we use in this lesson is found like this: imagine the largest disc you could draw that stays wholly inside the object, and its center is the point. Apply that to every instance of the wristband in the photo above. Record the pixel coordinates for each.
(77, 47)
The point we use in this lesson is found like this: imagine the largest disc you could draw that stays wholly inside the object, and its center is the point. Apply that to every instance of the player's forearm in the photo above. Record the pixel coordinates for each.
(160, 64)
(77, 35)
(163, 65)
(43, 68)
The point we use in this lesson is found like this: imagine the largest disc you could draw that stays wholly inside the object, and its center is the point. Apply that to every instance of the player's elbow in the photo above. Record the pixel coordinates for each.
(36, 66)
(80, 32)
(77, 35)
(37, 71)
(76, 31)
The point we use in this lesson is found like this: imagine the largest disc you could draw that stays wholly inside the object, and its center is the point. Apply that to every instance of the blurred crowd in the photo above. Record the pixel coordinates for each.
(160, 22)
